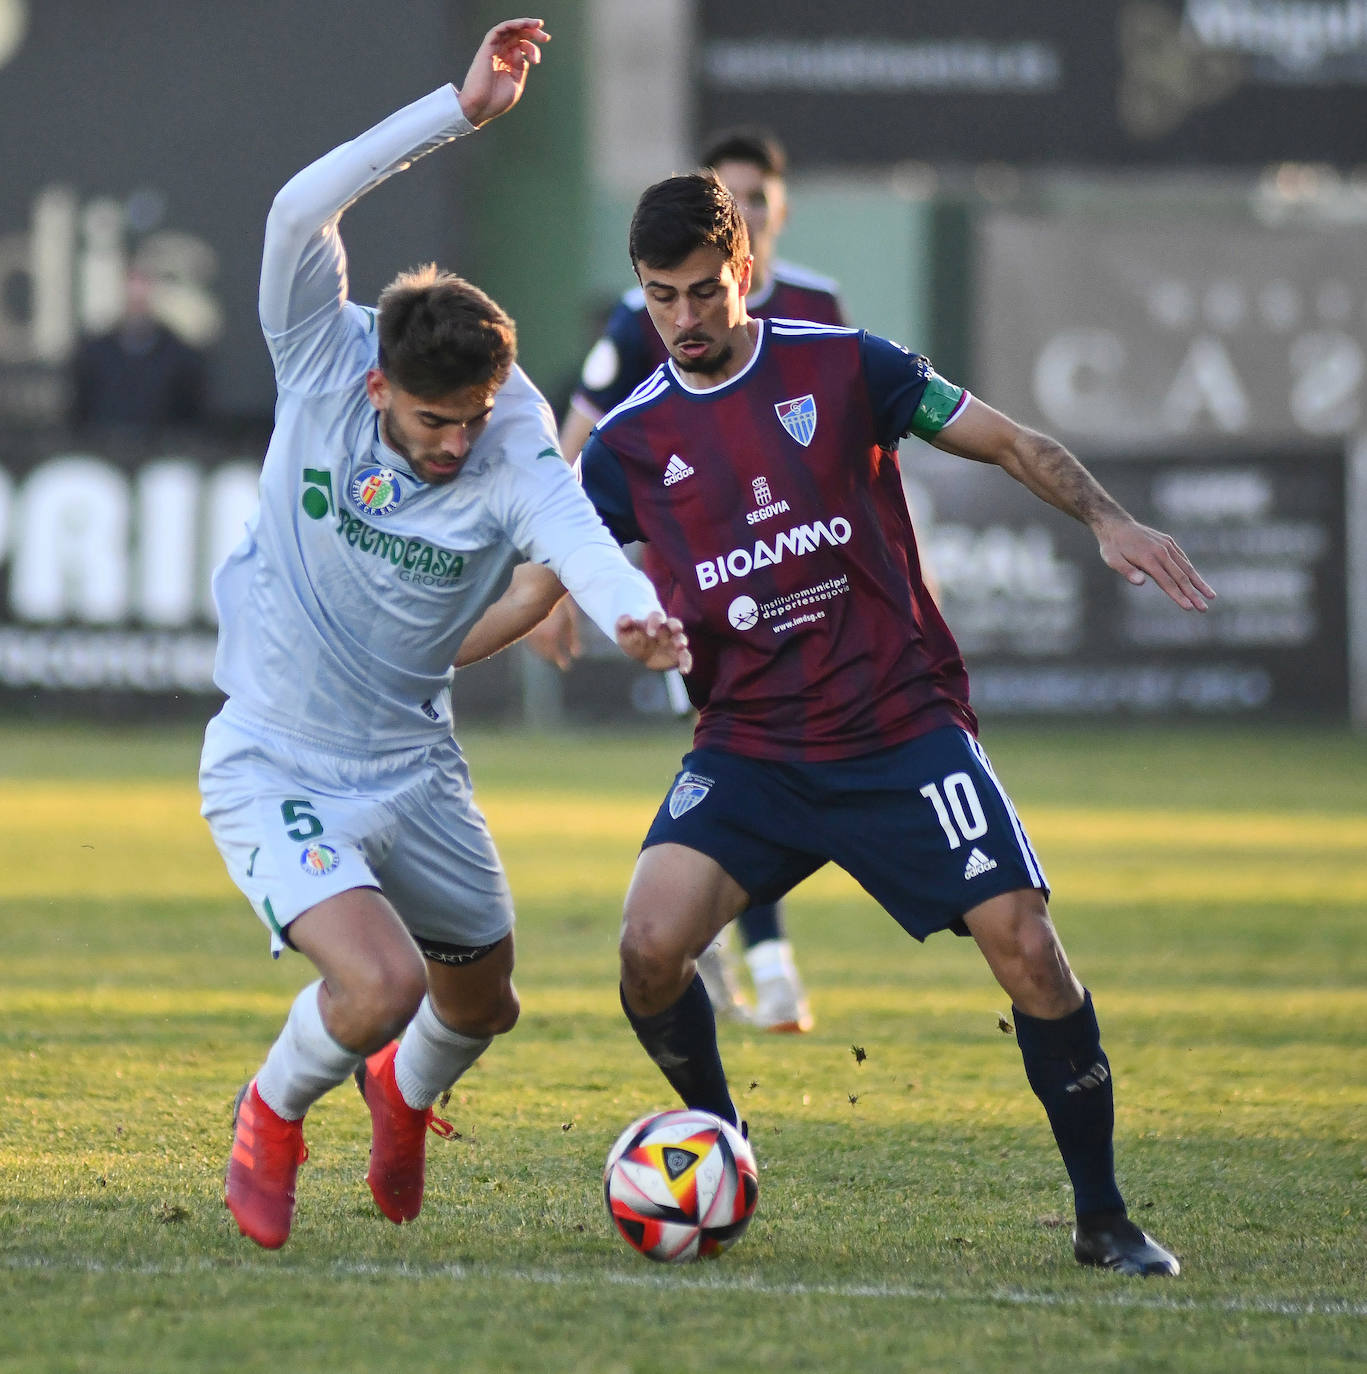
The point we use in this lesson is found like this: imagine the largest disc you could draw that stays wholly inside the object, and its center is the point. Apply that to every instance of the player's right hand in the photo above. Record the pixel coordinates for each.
(498, 74)
(1137, 553)
(655, 642)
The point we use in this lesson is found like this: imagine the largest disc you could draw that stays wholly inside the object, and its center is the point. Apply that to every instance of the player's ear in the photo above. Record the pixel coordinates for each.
(377, 388)
(743, 277)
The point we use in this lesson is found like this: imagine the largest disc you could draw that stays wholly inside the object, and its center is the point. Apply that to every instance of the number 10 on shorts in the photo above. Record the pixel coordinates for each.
(957, 808)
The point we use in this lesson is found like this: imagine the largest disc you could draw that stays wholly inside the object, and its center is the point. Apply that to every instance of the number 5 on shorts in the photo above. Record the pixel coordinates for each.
(962, 819)
(300, 822)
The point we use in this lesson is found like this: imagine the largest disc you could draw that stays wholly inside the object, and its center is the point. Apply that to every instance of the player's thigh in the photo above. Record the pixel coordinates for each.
(441, 869)
(746, 817)
(358, 943)
(929, 832)
(289, 837)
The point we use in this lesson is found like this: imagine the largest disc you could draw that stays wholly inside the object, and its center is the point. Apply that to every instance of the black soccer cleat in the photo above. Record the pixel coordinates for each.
(1116, 1243)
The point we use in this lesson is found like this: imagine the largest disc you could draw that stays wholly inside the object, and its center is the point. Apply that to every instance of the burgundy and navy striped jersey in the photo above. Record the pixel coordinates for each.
(630, 348)
(773, 509)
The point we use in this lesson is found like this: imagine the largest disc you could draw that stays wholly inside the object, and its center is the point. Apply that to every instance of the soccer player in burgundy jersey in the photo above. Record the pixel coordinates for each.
(751, 164)
(760, 463)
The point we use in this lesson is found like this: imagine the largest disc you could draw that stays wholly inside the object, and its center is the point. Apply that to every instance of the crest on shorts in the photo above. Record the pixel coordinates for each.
(690, 789)
(798, 417)
(377, 491)
(318, 859)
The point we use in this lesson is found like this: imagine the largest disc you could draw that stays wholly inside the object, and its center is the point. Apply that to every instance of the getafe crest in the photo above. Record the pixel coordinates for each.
(318, 859)
(376, 491)
(690, 789)
(798, 417)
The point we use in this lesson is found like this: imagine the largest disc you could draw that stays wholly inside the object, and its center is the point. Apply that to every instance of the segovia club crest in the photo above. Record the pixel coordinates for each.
(798, 417)
(690, 789)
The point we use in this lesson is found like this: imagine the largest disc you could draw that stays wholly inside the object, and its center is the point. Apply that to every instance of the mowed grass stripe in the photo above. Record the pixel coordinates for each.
(674, 1280)
(1307, 1007)
(148, 840)
(135, 808)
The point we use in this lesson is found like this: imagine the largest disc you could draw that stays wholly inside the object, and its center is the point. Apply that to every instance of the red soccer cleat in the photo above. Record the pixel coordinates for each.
(398, 1138)
(267, 1152)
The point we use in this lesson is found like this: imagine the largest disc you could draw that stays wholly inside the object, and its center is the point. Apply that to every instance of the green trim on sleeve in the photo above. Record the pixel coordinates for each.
(938, 402)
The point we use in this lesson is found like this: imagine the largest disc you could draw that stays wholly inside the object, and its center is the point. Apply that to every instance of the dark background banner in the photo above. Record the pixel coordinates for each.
(1048, 630)
(1122, 83)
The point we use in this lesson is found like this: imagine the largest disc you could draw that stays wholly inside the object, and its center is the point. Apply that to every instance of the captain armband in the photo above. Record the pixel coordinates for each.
(941, 402)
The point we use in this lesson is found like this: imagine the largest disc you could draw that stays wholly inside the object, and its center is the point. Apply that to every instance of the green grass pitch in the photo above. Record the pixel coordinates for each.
(1211, 888)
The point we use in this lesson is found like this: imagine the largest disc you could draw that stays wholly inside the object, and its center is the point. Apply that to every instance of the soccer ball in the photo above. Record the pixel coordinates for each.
(681, 1185)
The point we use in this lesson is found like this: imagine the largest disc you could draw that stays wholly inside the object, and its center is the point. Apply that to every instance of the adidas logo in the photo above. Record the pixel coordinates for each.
(676, 470)
(1093, 1078)
(978, 864)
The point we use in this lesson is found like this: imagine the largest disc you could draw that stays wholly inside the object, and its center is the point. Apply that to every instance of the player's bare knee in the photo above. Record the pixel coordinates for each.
(651, 961)
(377, 1002)
(510, 1009)
(500, 1017)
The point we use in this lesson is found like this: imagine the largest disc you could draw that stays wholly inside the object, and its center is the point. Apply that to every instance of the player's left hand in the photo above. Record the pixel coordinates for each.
(655, 642)
(498, 74)
(1137, 553)
(557, 638)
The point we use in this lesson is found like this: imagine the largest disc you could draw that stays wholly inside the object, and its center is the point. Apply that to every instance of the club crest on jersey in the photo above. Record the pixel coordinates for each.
(690, 789)
(376, 491)
(798, 417)
(318, 859)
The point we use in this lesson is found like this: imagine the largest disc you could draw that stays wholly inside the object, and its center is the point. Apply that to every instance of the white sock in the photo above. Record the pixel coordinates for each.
(771, 959)
(432, 1057)
(305, 1061)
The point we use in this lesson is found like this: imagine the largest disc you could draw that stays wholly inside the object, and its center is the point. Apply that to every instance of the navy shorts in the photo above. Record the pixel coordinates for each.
(925, 828)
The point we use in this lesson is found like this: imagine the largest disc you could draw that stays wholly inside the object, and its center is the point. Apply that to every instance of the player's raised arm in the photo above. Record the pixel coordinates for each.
(498, 73)
(304, 267)
(1043, 465)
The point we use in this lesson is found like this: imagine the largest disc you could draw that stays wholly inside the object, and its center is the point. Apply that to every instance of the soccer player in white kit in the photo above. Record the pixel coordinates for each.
(412, 470)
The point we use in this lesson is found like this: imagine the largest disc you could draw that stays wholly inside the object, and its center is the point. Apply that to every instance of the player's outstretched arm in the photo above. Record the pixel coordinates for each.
(498, 73)
(656, 642)
(1043, 465)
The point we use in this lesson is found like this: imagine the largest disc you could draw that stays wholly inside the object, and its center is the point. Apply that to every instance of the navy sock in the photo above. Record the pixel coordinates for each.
(762, 922)
(682, 1040)
(1070, 1074)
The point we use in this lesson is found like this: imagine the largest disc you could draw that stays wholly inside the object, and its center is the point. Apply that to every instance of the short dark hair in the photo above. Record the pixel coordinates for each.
(681, 214)
(440, 334)
(755, 146)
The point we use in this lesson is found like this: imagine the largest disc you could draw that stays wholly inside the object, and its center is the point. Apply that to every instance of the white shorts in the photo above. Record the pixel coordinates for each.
(295, 825)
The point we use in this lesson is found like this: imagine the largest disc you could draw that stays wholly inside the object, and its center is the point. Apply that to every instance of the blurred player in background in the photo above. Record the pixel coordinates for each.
(139, 375)
(834, 723)
(751, 164)
(412, 469)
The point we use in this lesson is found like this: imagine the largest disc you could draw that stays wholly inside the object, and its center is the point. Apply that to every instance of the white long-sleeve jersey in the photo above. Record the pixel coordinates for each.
(342, 609)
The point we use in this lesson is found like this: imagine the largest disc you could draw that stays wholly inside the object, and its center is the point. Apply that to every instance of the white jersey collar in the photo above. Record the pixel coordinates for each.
(730, 381)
